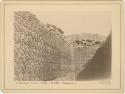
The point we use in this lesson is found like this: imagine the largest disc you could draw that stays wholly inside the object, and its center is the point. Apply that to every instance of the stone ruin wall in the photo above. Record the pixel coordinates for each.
(39, 54)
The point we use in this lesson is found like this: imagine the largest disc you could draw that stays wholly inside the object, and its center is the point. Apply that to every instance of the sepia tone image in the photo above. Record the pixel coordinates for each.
(62, 45)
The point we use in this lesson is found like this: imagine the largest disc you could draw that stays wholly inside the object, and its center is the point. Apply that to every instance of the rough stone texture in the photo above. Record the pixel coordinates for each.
(43, 53)
(39, 53)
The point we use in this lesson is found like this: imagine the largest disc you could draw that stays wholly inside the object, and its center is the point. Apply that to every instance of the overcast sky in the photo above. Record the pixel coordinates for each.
(72, 22)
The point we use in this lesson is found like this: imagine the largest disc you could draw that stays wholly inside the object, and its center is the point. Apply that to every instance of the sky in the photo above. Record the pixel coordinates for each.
(74, 22)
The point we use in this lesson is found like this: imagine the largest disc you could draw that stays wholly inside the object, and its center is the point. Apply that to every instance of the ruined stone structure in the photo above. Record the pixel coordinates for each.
(40, 53)
(43, 53)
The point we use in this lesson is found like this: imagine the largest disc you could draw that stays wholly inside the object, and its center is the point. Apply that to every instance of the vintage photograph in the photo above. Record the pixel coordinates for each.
(62, 45)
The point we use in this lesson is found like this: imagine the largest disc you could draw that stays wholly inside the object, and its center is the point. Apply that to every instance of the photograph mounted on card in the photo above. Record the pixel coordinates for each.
(59, 46)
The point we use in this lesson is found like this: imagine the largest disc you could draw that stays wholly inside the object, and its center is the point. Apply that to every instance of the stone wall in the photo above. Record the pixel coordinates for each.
(39, 54)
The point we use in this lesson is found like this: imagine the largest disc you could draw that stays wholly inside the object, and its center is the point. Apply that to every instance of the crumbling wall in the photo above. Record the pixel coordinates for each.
(38, 52)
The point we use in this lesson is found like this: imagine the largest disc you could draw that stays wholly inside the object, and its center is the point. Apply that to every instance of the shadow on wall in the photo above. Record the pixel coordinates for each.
(100, 65)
